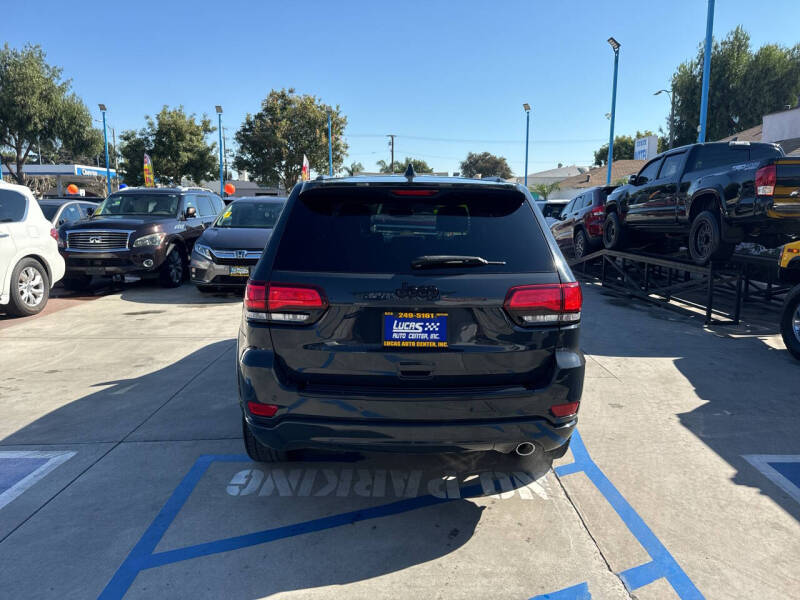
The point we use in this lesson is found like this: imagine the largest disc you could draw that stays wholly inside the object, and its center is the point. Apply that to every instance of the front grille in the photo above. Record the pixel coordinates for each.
(98, 241)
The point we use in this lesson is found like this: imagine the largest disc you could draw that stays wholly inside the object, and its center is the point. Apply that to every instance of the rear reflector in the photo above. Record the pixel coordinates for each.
(765, 180)
(545, 303)
(54, 233)
(564, 410)
(262, 410)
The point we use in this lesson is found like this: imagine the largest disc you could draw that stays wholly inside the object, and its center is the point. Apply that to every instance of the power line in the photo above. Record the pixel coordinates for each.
(471, 141)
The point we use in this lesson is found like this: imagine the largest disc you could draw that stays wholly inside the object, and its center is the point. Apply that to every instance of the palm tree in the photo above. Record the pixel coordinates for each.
(543, 190)
(354, 169)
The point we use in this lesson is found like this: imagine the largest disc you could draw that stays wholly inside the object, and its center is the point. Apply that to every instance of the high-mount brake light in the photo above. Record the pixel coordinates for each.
(415, 192)
(765, 180)
(542, 304)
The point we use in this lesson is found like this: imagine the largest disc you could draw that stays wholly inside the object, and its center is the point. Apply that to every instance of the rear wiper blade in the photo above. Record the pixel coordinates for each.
(444, 260)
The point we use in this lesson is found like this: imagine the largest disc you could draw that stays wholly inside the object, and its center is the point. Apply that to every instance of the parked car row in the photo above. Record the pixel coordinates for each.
(708, 196)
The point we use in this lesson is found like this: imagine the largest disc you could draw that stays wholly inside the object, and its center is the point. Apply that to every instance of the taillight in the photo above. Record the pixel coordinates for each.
(282, 302)
(54, 233)
(765, 180)
(598, 210)
(545, 303)
(564, 410)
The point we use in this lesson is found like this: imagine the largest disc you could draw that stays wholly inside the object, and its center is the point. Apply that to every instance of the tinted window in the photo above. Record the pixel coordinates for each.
(87, 208)
(49, 210)
(371, 231)
(569, 206)
(139, 204)
(204, 204)
(649, 173)
(672, 166)
(719, 155)
(257, 215)
(552, 210)
(189, 201)
(218, 204)
(12, 206)
(587, 199)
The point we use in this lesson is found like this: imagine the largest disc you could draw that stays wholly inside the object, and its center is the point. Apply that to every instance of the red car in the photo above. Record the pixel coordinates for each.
(580, 226)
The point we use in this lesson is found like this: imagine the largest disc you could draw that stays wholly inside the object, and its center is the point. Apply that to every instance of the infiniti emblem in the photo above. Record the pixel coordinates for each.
(95, 239)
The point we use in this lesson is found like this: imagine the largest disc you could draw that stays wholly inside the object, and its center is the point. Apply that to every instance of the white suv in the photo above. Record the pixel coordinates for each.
(29, 260)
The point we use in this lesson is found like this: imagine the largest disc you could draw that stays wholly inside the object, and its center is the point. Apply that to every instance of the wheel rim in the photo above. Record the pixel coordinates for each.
(703, 239)
(611, 231)
(796, 322)
(30, 286)
(175, 267)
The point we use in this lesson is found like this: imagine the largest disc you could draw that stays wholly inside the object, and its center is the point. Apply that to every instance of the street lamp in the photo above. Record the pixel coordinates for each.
(615, 45)
(671, 113)
(221, 173)
(102, 108)
(330, 147)
(527, 108)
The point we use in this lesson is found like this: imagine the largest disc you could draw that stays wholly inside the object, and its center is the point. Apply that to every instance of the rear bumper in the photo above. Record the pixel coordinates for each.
(447, 421)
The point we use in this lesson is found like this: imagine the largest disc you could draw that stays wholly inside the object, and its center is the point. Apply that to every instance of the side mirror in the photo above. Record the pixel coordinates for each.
(89, 211)
(61, 222)
(191, 212)
(632, 179)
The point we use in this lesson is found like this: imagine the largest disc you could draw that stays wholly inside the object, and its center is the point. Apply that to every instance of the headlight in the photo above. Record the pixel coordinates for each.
(153, 239)
(203, 250)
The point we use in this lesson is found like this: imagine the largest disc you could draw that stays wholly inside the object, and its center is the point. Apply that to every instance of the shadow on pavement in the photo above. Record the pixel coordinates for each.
(750, 389)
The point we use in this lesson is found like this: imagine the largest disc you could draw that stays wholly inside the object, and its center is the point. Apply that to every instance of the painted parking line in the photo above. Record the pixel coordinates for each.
(143, 555)
(781, 469)
(19, 470)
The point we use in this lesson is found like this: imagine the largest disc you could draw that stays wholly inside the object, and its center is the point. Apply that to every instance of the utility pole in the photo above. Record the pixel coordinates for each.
(225, 153)
(116, 156)
(701, 137)
(391, 144)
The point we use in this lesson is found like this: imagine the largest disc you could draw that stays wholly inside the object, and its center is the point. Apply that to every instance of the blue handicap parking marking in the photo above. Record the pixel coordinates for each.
(781, 469)
(144, 556)
(19, 470)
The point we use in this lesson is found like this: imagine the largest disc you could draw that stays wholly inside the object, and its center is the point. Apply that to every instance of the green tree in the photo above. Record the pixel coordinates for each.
(273, 141)
(354, 168)
(485, 164)
(744, 86)
(624, 146)
(400, 166)
(177, 144)
(37, 109)
(543, 190)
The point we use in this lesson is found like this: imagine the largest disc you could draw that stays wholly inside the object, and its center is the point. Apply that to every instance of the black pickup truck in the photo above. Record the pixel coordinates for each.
(712, 195)
(146, 232)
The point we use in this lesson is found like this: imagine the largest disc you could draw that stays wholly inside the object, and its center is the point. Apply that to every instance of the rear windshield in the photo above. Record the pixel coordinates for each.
(719, 155)
(251, 215)
(139, 204)
(12, 206)
(374, 231)
(49, 210)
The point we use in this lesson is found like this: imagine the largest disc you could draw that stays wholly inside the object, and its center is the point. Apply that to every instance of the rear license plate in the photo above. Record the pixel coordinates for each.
(240, 271)
(415, 329)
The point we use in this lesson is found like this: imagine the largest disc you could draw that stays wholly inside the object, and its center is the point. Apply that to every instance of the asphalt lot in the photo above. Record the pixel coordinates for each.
(122, 472)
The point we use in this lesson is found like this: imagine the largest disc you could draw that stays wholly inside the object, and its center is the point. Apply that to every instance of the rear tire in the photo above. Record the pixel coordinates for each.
(170, 274)
(29, 289)
(258, 451)
(705, 240)
(790, 322)
(614, 234)
(580, 244)
(77, 283)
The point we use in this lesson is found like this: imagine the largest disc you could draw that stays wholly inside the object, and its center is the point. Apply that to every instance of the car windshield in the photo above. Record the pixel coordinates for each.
(49, 210)
(12, 206)
(250, 215)
(139, 204)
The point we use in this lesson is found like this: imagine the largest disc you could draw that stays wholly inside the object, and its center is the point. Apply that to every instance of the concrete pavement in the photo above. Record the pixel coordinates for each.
(159, 501)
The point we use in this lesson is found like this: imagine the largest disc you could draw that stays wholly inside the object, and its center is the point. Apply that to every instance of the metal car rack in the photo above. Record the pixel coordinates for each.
(664, 279)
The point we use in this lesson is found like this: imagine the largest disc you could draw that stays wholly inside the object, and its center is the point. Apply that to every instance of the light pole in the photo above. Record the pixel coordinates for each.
(330, 147)
(105, 139)
(527, 108)
(701, 138)
(221, 172)
(671, 113)
(615, 45)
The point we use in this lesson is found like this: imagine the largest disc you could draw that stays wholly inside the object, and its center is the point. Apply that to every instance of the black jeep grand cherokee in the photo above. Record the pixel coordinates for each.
(410, 314)
(148, 232)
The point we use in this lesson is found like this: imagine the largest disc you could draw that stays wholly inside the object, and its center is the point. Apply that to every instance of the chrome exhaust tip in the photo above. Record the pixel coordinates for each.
(525, 449)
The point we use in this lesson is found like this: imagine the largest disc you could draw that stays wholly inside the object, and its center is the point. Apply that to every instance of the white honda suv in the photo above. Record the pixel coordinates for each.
(29, 260)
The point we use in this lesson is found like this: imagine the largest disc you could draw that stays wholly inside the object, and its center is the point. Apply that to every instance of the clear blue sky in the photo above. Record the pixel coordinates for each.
(426, 71)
